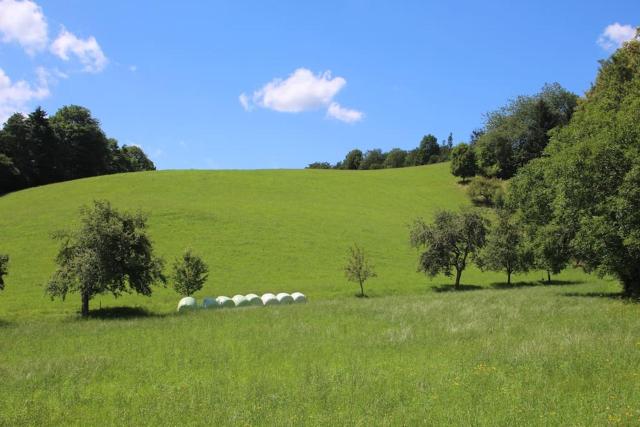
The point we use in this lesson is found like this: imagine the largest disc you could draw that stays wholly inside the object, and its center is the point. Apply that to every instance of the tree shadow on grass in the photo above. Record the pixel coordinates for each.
(452, 288)
(516, 285)
(611, 295)
(4, 324)
(122, 313)
(502, 285)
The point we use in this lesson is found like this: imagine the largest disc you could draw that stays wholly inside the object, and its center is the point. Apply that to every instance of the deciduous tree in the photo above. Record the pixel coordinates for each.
(449, 242)
(505, 249)
(110, 252)
(592, 169)
(463, 161)
(352, 160)
(190, 273)
(358, 268)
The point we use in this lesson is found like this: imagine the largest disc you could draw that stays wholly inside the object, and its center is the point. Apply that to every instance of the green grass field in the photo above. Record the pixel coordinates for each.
(532, 354)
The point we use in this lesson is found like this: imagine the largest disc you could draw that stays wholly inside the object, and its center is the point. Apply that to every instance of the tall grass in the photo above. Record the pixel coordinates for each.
(521, 356)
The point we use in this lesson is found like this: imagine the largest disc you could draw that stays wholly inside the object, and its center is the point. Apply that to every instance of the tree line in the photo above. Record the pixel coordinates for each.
(574, 196)
(515, 134)
(37, 149)
(428, 151)
(575, 193)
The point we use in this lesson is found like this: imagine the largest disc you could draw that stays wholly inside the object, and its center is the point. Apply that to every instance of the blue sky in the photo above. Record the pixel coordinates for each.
(369, 74)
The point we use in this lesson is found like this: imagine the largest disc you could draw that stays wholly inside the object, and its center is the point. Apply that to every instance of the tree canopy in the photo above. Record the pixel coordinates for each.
(428, 151)
(519, 132)
(505, 248)
(38, 150)
(109, 253)
(463, 161)
(358, 268)
(190, 273)
(589, 179)
(449, 242)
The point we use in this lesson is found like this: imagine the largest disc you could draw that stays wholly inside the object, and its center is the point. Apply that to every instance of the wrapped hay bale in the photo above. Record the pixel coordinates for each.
(209, 302)
(269, 299)
(284, 298)
(253, 299)
(299, 297)
(187, 303)
(225, 302)
(240, 301)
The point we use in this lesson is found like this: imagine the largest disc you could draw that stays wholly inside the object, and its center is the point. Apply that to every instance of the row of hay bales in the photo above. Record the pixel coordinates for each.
(190, 303)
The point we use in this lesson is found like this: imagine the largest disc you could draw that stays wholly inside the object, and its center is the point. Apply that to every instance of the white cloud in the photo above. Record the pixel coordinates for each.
(133, 68)
(615, 35)
(244, 101)
(88, 51)
(23, 22)
(302, 91)
(344, 114)
(15, 96)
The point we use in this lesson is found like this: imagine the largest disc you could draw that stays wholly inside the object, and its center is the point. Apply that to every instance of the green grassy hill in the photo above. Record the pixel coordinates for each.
(276, 230)
(527, 355)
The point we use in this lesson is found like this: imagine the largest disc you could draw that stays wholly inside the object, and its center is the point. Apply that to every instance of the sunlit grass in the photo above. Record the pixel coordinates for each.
(412, 353)
(523, 356)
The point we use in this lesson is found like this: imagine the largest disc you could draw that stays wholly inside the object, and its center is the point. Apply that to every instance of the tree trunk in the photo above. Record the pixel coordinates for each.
(458, 275)
(548, 277)
(631, 286)
(85, 304)
(509, 277)
(361, 289)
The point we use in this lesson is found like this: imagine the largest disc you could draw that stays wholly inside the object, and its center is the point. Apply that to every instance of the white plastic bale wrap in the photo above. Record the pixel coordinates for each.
(269, 299)
(209, 302)
(253, 299)
(284, 298)
(187, 303)
(225, 302)
(299, 297)
(240, 301)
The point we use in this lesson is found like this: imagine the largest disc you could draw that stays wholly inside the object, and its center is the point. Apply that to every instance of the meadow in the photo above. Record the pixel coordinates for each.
(412, 353)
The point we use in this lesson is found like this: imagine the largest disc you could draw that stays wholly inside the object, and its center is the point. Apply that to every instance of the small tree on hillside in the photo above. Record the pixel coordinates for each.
(4, 269)
(190, 273)
(449, 242)
(427, 149)
(352, 159)
(463, 162)
(358, 268)
(552, 249)
(373, 159)
(109, 253)
(505, 249)
(395, 158)
(486, 191)
(534, 204)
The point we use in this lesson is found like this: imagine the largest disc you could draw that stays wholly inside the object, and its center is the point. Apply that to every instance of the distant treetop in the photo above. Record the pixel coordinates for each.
(38, 149)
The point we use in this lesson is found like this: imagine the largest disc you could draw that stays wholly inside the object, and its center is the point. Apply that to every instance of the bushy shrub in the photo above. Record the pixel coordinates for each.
(319, 165)
(486, 191)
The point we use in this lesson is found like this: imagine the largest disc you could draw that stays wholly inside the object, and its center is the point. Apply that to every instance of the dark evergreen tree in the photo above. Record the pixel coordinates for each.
(38, 150)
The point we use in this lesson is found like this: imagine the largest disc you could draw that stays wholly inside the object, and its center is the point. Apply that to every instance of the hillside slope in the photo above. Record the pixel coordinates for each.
(265, 230)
